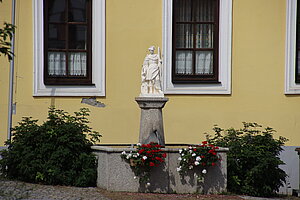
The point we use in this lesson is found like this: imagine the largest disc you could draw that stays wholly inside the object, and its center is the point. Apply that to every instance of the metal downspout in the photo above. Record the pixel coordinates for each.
(11, 75)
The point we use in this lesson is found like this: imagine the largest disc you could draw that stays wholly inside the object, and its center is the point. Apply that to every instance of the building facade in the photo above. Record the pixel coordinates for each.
(224, 62)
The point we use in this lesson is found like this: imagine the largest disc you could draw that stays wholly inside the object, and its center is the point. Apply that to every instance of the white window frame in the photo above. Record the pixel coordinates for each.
(291, 87)
(98, 56)
(225, 38)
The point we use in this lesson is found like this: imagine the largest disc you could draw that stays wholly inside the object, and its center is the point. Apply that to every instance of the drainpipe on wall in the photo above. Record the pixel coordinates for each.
(11, 75)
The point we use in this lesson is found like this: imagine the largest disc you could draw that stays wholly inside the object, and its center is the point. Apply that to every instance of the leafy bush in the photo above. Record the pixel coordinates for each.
(56, 152)
(253, 162)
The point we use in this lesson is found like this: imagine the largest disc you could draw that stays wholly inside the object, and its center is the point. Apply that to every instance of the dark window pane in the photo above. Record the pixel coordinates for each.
(297, 68)
(77, 10)
(77, 64)
(183, 10)
(56, 64)
(77, 36)
(56, 36)
(184, 36)
(56, 10)
(204, 62)
(184, 62)
(204, 10)
(204, 36)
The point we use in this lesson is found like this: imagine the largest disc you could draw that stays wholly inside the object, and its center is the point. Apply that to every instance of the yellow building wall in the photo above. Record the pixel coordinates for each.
(5, 16)
(258, 68)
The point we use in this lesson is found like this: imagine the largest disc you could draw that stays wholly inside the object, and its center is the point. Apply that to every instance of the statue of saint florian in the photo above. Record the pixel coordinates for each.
(151, 73)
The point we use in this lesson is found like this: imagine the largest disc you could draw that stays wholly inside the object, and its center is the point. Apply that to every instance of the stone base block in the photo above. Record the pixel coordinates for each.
(115, 174)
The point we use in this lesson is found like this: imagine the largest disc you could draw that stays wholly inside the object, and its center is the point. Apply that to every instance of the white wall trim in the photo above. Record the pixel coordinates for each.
(98, 58)
(225, 38)
(291, 87)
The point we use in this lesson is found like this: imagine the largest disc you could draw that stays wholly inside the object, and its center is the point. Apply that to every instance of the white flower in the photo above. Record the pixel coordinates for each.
(179, 158)
(193, 154)
(191, 151)
(185, 149)
(178, 168)
(148, 184)
(134, 177)
(190, 147)
(134, 156)
(144, 157)
(128, 156)
(197, 163)
(138, 144)
(204, 171)
(137, 154)
(123, 153)
(184, 159)
(191, 167)
(182, 154)
(180, 150)
(198, 158)
(196, 175)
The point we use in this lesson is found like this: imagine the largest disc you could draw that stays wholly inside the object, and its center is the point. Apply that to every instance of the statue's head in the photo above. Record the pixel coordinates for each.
(151, 49)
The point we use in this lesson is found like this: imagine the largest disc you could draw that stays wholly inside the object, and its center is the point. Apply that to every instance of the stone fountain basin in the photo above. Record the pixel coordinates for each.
(114, 174)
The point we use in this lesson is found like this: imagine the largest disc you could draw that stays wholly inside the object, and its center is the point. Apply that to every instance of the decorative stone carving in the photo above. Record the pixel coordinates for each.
(151, 75)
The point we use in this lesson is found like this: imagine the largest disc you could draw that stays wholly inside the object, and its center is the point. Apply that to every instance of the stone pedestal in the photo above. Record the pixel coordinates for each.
(151, 124)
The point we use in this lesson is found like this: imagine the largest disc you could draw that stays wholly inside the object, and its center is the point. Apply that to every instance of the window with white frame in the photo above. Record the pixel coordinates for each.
(63, 49)
(292, 61)
(197, 46)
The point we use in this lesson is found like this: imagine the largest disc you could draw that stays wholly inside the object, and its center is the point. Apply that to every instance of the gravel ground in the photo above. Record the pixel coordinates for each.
(10, 190)
(20, 190)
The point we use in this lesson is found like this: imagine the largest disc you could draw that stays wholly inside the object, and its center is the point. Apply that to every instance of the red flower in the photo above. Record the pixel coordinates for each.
(159, 159)
(204, 142)
(202, 156)
(164, 155)
(158, 146)
(151, 164)
(211, 151)
(213, 164)
(195, 149)
(141, 151)
(203, 164)
(148, 152)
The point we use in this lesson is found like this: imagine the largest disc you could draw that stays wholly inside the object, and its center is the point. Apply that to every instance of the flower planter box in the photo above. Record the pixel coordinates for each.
(115, 174)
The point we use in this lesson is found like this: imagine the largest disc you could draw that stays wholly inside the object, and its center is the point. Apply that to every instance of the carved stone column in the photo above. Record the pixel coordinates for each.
(151, 124)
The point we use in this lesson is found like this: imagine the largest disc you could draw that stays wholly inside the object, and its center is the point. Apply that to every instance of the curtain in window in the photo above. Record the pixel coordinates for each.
(204, 62)
(184, 62)
(77, 64)
(57, 64)
(185, 39)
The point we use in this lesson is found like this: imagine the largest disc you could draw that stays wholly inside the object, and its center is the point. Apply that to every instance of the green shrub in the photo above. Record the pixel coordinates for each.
(253, 162)
(56, 152)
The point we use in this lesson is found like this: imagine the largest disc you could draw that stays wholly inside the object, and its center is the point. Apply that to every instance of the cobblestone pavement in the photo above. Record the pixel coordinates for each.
(10, 190)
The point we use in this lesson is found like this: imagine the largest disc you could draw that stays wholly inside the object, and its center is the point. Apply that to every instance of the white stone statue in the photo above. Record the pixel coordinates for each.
(151, 74)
